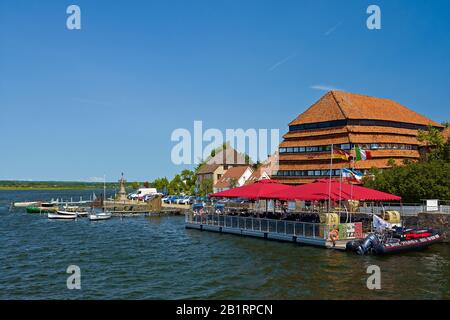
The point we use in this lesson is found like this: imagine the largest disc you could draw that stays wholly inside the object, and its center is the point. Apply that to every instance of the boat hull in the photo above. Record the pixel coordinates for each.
(409, 242)
(97, 217)
(33, 209)
(57, 216)
(408, 245)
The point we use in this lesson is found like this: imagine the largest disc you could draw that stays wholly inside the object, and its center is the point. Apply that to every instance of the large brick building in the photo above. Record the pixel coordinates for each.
(347, 120)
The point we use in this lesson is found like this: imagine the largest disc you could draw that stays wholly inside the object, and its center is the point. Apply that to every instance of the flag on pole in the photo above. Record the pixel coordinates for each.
(362, 154)
(380, 224)
(341, 154)
(352, 175)
(347, 173)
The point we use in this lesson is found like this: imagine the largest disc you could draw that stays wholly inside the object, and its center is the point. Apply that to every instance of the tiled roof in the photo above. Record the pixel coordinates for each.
(349, 129)
(367, 164)
(229, 156)
(326, 155)
(338, 105)
(315, 132)
(351, 138)
(229, 175)
(382, 138)
(256, 176)
(208, 168)
(314, 142)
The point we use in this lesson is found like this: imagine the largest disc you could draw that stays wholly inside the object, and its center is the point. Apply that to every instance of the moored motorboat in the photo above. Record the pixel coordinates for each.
(395, 241)
(100, 216)
(41, 209)
(66, 216)
(25, 204)
(80, 211)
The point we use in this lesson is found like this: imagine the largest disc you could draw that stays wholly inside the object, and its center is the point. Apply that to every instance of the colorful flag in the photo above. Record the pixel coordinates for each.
(352, 175)
(347, 173)
(341, 154)
(380, 224)
(362, 154)
(357, 175)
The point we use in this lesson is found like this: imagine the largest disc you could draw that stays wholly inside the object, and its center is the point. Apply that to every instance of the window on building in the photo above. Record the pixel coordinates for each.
(346, 146)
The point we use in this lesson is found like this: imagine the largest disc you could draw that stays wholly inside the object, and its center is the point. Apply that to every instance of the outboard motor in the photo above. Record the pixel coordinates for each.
(353, 245)
(368, 243)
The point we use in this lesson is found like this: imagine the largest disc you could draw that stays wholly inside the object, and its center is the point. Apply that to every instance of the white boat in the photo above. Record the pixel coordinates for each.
(66, 216)
(70, 213)
(79, 211)
(25, 204)
(100, 216)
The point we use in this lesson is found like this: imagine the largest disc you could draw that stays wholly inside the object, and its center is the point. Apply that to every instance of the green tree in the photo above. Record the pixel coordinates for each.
(233, 182)
(176, 185)
(205, 187)
(434, 141)
(414, 181)
(135, 185)
(161, 184)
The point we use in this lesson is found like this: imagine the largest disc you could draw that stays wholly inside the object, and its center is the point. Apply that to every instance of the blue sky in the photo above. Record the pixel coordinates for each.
(75, 105)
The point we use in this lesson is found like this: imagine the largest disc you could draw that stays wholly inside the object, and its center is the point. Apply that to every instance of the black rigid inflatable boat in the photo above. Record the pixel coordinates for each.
(394, 241)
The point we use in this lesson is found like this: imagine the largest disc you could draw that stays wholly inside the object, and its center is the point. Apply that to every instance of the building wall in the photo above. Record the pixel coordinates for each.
(245, 177)
(305, 154)
(214, 176)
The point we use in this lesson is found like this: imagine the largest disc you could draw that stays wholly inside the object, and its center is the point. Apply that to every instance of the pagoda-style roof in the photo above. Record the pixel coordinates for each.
(338, 105)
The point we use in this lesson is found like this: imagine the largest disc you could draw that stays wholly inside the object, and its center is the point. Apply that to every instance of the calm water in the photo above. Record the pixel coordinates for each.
(157, 258)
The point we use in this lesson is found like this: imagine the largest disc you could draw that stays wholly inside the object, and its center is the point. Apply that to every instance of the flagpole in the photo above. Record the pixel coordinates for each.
(353, 169)
(329, 186)
(340, 192)
(351, 187)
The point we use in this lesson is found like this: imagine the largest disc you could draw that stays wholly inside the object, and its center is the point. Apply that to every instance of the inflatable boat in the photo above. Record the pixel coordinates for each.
(395, 241)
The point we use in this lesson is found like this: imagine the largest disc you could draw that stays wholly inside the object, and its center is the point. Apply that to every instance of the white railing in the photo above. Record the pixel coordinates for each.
(407, 209)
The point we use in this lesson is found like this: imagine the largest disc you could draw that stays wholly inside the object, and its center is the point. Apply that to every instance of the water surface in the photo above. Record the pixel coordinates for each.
(157, 258)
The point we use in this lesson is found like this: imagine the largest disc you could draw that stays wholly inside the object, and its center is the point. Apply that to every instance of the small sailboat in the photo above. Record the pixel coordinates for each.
(96, 216)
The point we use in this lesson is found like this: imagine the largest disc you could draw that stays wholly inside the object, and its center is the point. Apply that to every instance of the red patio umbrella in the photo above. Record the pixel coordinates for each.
(257, 190)
(335, 190)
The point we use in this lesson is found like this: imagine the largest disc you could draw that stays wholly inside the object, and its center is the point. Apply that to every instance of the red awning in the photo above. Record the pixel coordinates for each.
(323, 189)
(257, 190)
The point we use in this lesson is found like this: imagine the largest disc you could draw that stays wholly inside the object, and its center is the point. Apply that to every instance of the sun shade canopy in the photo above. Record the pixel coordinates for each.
(319, 190)
(324, 189)
(257, 190)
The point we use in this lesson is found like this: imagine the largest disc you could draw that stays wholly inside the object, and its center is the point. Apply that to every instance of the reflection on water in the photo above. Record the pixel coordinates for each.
(157, 258)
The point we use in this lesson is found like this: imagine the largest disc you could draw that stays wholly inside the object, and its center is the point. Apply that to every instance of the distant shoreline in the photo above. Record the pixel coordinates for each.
(53, 185)
(48, 188)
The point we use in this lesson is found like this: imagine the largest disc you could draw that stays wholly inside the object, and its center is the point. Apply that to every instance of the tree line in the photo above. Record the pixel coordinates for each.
(428, 178)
